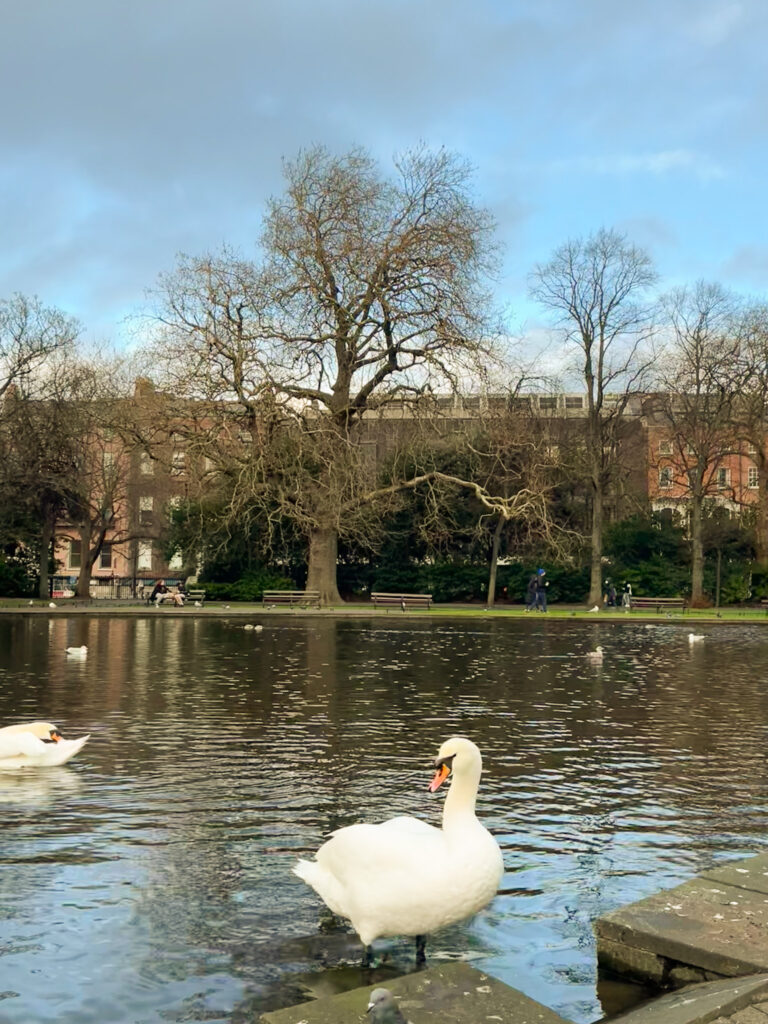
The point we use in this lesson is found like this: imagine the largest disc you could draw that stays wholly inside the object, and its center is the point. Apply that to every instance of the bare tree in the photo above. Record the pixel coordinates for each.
(369, 296)
(597, 288)
(699, 379)
(751, 412)
(30, 334)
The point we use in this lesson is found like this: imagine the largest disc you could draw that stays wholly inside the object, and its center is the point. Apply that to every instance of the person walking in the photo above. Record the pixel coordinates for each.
(531, 591)
(541, 590)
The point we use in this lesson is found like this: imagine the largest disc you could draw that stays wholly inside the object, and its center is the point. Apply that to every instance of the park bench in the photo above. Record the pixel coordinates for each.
(195, 595)
(291, 597)
(659, 603)
(401, 601)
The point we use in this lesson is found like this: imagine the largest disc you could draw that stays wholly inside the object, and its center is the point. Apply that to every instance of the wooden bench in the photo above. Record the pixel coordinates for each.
(659, 603)
(291, 597)
(401, 601)
(194, 595)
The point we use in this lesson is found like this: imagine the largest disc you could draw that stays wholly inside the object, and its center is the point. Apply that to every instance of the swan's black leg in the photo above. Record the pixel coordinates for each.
(421, 950)
(367, 957)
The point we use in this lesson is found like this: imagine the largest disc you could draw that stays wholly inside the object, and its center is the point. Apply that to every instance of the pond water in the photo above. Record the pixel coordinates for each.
(149, 880)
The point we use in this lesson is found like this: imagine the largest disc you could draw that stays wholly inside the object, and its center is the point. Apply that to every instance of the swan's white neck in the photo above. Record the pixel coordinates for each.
(460, 801)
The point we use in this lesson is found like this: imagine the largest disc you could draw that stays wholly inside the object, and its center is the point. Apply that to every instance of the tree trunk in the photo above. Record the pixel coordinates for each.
(46, 537)
(596, 572)
(323, 553)
(88, 560)
(491, 599)
(697, 552)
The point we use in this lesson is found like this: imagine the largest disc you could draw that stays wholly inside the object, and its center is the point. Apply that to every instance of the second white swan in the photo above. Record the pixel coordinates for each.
(405, 877)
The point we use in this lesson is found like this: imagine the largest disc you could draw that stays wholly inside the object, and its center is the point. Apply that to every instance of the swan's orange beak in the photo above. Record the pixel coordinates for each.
(441, 775)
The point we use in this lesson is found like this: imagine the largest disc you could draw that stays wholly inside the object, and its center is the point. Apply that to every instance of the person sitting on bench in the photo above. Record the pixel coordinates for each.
(160, 593)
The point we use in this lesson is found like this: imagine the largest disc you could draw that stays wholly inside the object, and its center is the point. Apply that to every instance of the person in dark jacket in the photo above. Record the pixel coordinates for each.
(530, 593)
(541, 590)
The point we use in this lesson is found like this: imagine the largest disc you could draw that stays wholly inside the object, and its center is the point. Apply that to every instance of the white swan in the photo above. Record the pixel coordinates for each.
(404, 877)
(77, 652)
(694, 638)
(596, 655)
(35, 745)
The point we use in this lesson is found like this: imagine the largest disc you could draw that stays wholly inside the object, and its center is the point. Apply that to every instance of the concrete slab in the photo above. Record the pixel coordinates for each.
(451, 994)
(699, 1004)
(751, 873)
(701, 930)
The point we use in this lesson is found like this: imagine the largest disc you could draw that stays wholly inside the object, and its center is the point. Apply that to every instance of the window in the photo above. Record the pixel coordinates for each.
(178, 463)
(75, 559)
(105, 557)
(665, 447)
(689, 449)
(752, 480)
(146, 504)
(574, 402)
(177, 562)
(548, 403)
(146, 465)
(751, 449)
(108, 461)
(723, 477)
(665, 477)
(144, 560)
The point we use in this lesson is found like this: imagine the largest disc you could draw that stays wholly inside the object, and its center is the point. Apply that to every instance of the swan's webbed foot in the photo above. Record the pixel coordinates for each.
(421, 950)
(367, 962)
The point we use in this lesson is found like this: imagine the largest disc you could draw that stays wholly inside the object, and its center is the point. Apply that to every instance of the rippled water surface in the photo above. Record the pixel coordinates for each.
(149, 880)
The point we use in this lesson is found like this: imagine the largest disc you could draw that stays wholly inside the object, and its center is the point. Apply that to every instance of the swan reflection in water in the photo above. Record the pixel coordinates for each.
(36, 789)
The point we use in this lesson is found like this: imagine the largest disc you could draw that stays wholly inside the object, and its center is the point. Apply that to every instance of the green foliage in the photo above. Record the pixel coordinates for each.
(18, 577)
(650, 553)
(248, 588)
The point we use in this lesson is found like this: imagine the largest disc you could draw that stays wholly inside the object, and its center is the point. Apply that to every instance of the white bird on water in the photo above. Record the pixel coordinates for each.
(595, 656)
(695, 637)
(405, 877)
(77, 652)
(35, 745)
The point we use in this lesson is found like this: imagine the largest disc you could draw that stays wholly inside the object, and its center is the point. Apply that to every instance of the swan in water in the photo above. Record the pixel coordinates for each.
(77, 652)
(405, 877)
(694, 638)
(36, 745)
(596, 656)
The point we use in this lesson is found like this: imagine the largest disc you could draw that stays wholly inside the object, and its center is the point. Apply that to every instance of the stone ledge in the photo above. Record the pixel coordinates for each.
(451, 994)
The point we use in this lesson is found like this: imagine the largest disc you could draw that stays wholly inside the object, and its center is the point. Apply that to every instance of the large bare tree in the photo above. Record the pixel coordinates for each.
(700, 377)
(369, 294)
(751, 412)
(597, 288)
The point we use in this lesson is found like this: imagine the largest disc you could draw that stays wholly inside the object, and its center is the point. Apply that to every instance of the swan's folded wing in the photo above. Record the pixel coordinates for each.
(21, 744)
(374, 848)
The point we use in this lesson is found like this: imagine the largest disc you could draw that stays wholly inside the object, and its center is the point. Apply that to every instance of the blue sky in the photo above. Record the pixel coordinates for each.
(133, 131)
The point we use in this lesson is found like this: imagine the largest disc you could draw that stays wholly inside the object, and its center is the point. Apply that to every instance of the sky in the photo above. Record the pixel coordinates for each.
(134, 131)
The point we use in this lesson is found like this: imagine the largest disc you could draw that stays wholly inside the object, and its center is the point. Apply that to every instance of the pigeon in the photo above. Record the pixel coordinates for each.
(383, 1008)
(695, 637)
(198, 605)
